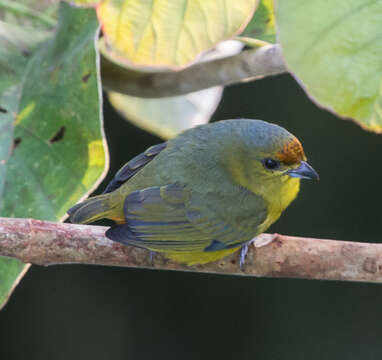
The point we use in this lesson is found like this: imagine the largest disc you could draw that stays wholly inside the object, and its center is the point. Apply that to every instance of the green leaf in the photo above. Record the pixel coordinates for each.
(262, 25)
(36, 13)
(58, 155)
(11, 272)
(6, 132)
(334, 49)
(15, 46)
(167, 33)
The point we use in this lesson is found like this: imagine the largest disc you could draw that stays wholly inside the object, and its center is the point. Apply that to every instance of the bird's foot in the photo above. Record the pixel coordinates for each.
(243, 253)
(258, 241)
(151, 257)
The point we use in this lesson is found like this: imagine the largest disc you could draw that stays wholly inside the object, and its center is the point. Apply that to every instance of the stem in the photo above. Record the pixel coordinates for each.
(252, 42)
(48, 243)
(20, 9)
(245, 66)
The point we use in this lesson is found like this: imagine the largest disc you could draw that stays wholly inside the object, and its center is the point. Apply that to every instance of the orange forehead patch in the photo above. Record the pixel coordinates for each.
(292, 152)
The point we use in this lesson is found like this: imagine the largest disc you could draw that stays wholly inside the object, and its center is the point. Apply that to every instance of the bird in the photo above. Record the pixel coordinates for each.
(203, 194)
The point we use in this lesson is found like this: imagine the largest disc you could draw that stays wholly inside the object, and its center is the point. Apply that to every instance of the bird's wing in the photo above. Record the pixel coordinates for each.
(133, 166)
(162, 219)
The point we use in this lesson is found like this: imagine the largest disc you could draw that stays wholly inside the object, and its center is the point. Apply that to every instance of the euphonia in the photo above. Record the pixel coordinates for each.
(203, 194)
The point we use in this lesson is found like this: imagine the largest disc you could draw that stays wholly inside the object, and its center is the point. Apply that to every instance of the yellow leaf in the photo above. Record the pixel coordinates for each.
(168, 33)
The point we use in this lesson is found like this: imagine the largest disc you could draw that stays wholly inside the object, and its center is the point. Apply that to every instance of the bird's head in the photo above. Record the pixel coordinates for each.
(284, 158)
(272, 160)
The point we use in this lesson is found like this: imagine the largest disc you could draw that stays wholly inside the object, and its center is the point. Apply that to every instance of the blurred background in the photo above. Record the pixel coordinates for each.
(93, 312)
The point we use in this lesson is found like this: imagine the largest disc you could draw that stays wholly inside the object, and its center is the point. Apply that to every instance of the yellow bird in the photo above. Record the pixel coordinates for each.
(204, 194)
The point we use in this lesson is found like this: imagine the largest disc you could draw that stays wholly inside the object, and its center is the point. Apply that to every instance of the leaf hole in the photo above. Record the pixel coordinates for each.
(2, 110)
(26, 53)
(16, 142)
(58, 135)
(86, 77)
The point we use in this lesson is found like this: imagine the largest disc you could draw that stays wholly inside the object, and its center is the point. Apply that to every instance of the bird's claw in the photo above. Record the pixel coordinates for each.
(243, 253)
(151, 257)
(259, 241)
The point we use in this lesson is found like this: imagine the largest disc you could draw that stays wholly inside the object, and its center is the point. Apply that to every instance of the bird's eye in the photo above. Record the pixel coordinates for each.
(271, 164)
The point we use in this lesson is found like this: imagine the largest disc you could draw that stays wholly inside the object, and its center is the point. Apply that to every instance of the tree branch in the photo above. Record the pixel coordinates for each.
(245, 66)
(48, 243)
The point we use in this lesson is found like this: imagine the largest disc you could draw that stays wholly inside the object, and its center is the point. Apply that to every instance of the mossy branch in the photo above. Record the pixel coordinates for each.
(48, 243)
(245, 66)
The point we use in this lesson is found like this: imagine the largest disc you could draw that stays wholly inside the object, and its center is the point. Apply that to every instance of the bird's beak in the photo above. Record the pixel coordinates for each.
(304, 171)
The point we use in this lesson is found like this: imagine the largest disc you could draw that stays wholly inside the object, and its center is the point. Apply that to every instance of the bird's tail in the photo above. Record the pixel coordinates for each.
(90, 210)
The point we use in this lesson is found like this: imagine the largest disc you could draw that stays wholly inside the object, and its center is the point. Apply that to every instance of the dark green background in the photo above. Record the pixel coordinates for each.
(88, 312)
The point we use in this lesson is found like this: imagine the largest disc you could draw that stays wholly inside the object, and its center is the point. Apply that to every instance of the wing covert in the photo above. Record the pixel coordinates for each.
(159, 219)
(133, 166)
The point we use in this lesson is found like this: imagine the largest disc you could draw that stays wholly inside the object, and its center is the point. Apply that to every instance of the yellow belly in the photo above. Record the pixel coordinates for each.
(193, 258)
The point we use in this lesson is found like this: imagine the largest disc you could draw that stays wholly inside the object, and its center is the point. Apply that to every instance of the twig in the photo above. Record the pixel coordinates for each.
(48, 243)
(246, 66)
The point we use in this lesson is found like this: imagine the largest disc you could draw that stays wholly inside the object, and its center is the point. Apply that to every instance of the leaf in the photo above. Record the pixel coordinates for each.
(84, 2)
(262, 25)
(60, 148)
(167, 33)
(36, 13)
(334, 49)
(166, 117)
(15, 45)
(58, 155)
(11, 272)
(6, 132)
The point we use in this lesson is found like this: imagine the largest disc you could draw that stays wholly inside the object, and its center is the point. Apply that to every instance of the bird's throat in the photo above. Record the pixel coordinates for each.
(279, 196)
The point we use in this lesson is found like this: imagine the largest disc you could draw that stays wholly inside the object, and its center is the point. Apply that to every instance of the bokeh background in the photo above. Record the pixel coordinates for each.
(92, 312)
